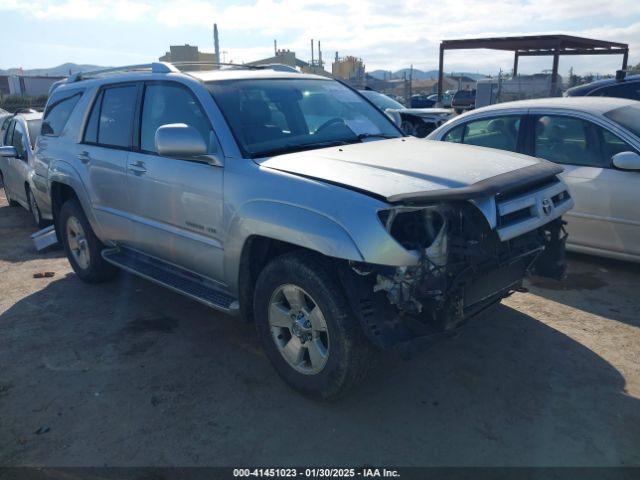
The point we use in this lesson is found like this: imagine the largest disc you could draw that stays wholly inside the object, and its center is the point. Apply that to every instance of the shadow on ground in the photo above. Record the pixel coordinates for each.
(601, 286)
(127, 373)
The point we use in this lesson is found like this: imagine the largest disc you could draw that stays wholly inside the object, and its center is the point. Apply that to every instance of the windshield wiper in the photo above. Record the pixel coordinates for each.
(364, 136)
(298, 147)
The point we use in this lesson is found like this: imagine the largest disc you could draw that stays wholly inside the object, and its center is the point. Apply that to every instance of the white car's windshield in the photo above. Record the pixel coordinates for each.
(271, 116)
(628, 117)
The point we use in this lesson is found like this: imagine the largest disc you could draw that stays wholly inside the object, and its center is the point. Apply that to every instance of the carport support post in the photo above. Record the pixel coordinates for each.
(440, 74)
(554, 73)
(625, 59)
(515, 65)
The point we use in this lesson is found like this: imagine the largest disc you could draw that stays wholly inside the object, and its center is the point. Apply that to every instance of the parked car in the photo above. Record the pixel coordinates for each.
(418, 122)
(595, 139)
(335, 239)
(17, 161)
(463, 100)
(423, 101)
(5, 119)
(623, 86)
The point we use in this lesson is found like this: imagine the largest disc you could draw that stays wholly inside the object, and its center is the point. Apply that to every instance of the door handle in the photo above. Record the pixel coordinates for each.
(138, 168)
(84, 157)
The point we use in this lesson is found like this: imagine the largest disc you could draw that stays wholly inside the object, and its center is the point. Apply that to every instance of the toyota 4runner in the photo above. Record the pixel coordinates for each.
(291, 200)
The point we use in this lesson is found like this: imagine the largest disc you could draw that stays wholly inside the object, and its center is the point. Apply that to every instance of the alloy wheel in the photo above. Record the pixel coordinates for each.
(299, 329)
(78, 242)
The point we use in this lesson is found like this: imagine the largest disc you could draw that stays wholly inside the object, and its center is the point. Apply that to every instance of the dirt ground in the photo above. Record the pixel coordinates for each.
(129, 374)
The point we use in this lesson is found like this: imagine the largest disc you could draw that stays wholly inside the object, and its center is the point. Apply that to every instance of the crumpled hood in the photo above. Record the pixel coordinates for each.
(397, 167)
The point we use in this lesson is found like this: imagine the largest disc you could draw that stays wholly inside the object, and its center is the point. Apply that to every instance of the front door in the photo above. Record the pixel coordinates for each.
(605, 216)
(177, 203)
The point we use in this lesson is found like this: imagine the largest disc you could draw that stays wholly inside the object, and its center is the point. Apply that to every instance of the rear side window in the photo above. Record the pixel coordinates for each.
(499, 132)
(111, 120)
(57, 113)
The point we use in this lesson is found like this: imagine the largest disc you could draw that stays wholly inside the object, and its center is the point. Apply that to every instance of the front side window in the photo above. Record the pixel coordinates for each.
(111, 119)
(567, 140)
(166, 103)
(271, 116)
(498, 132)
(57, 113)
(610, 144)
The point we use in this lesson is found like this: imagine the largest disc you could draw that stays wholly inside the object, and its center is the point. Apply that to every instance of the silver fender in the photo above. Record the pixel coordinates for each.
(287, 223)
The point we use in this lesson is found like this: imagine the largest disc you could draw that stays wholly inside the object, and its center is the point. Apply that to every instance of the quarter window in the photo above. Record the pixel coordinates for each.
(166, 103)
(567, 140)
(454, 135)
(57, 113)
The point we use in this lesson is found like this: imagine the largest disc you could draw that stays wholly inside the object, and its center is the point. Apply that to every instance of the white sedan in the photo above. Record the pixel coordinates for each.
(595, 139)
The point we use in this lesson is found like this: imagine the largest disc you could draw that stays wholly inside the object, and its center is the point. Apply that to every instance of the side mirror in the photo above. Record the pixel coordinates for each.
(179, 140)
(8, 151)
(626, 161)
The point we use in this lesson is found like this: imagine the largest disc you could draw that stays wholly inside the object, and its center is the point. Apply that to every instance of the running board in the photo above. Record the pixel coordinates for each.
(170, 276)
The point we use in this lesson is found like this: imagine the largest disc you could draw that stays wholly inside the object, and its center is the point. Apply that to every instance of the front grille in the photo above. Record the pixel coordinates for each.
(527, 209)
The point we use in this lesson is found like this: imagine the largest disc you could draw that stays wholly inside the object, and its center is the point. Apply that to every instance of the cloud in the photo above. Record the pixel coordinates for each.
(386, 33)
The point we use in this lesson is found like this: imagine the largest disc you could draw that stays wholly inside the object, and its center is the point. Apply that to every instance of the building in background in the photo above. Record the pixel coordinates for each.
(27, 85)
(189, 53)
(283, 57)
(350, 69)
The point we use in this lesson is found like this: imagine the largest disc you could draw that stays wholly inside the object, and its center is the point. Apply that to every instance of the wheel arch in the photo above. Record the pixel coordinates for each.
(263, 230)
(64, 184)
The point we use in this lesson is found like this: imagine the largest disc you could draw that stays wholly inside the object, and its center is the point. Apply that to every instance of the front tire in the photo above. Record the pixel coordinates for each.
(307, 328)
(81, 245)
(12, 203)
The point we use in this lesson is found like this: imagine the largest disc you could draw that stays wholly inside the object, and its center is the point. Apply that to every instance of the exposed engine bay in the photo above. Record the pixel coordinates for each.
(463, 269)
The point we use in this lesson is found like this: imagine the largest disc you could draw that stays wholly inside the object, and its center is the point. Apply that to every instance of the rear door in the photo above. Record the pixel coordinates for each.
(177, 203)
(103, 156)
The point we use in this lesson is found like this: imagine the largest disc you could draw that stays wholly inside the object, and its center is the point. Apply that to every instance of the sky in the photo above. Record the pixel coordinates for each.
(387, 34)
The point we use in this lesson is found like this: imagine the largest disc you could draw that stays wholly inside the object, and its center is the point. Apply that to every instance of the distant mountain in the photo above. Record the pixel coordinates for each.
(59, 71)
(418, 74)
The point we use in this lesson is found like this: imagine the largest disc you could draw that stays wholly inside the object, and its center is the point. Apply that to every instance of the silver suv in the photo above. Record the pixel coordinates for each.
(291, 200)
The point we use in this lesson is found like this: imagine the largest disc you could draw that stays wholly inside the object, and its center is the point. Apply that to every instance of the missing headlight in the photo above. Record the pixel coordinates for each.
(414, 229)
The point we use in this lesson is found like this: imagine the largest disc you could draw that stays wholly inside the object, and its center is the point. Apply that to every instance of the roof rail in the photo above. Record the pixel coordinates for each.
(155, 67)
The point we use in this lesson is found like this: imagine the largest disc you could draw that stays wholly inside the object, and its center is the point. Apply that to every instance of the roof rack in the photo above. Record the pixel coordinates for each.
(155, 67)
(173, 67)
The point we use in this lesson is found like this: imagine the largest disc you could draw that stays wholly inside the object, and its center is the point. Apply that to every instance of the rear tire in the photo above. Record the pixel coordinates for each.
(328, 357)
(81, 245)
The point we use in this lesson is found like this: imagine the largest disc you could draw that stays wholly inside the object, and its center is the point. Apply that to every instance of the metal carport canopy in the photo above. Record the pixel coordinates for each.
(536, 45)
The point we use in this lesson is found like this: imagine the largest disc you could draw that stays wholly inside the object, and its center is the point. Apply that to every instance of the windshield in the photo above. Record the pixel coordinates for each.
(381, 101)
(272, 116)
(628, 117)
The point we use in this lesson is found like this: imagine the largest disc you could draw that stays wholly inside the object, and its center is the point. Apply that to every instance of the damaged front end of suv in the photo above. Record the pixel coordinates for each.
(464, 263)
